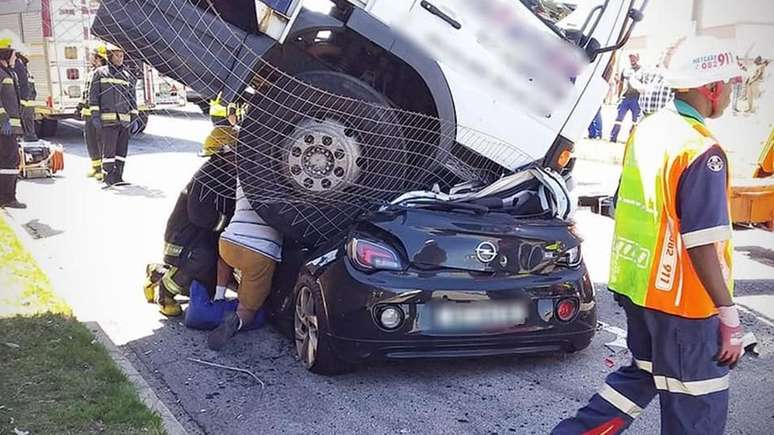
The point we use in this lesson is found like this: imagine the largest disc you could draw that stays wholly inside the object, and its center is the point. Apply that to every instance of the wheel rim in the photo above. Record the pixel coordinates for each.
(323, 156)
(306, 327)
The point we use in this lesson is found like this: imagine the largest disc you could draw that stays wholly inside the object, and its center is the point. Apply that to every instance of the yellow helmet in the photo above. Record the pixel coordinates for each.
(100, 50)
(11, 41)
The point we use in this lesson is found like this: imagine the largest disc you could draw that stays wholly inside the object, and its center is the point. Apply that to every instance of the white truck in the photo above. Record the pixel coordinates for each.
(56, 34)
(449, 125)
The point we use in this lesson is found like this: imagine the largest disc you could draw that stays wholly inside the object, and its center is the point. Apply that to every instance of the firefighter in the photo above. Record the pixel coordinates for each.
(224, 131)
(201, 213)
(671, 259)
(27, 95)
(10, 125)
(113, 106)
(90, 133)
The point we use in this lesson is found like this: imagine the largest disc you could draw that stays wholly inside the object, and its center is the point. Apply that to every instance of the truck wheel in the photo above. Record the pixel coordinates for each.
(310, 331)
(46, 127)
(317, 151)
(143, 117)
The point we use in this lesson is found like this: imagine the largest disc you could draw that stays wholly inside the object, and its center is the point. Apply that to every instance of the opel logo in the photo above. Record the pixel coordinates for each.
(486, 252)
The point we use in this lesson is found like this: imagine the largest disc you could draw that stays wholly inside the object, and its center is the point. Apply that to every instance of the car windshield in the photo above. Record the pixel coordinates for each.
(551, 12)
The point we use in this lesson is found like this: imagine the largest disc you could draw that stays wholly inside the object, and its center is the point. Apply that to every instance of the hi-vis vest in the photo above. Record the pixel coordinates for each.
(219, 112)
(649, 262)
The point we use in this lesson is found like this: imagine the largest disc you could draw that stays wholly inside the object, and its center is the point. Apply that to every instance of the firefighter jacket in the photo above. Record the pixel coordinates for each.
(10, 106)
(27, 92)
(203, 208)
(112, 95)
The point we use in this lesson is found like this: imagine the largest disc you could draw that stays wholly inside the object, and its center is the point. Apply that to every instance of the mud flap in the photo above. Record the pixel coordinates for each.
(184, 43)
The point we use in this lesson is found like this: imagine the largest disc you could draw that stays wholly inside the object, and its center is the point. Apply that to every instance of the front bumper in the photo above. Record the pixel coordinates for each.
(353, 299)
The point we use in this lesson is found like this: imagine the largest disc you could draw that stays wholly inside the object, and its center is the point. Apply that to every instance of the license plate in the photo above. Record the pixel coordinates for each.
(478, 315)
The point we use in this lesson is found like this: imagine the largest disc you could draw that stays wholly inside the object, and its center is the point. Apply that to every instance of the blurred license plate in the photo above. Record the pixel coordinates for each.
(479, 315)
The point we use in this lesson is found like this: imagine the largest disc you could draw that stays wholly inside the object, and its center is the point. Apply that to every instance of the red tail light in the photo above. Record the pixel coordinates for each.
(373, 256)
(566, 309)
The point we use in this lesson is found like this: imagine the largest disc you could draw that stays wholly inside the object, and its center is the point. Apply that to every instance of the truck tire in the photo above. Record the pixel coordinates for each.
(143, 117)
(46, 127)
(317, 151)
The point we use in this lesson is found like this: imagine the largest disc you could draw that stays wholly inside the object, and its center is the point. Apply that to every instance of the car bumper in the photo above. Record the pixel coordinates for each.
(353, 299)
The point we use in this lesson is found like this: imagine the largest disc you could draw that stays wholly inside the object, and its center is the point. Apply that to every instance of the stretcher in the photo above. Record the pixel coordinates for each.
(752, 200)
(40, 159)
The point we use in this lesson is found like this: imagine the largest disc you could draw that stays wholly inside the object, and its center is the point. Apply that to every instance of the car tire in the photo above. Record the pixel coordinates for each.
(311, 332)
(46, 128)
(318, 150)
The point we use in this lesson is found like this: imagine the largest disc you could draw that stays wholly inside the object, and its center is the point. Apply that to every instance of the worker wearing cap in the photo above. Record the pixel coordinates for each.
(671, 259)
(10, 125)
(90, 134)
(631, 85)
(113, 106)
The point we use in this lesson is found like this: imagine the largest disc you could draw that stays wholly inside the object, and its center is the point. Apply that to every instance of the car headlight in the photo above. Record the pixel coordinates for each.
(571, 257)
(370, 256)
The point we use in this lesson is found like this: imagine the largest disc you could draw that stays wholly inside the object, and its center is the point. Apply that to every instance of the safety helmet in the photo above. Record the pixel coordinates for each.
(700, 60)
(100, 49)
(11, 41)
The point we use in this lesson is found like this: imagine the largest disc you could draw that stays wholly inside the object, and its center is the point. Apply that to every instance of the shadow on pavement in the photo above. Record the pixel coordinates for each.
(138, 190)
(759, 254)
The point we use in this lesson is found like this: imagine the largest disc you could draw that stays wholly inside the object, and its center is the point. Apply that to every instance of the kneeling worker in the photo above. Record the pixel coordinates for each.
(201, 213)
(254, 248)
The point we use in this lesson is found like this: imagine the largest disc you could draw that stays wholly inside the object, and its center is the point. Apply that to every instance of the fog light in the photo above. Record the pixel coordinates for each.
(391, 317)
(566, 309)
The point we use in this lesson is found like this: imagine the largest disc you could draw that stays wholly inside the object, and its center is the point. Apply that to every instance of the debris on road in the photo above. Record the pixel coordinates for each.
(236, 369)
(620, 337)
(750, 344)
(13, 345)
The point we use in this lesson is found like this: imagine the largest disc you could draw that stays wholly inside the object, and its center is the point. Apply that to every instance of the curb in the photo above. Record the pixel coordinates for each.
(146, 393)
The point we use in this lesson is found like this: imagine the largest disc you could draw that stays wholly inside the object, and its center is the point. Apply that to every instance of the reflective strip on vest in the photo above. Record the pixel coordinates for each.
(15, 122)
(649, 261)
(644, 365)
(94, 108)
(2, 110)
(116, 117)
(9, 172)
(114, 81)
(623, 403)
(8, 81)
(27, 103)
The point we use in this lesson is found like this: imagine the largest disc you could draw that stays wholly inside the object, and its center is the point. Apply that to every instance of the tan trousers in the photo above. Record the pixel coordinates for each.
(257, 272)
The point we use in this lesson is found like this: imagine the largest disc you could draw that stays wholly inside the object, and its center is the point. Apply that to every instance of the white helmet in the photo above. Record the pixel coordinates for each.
(701, 60)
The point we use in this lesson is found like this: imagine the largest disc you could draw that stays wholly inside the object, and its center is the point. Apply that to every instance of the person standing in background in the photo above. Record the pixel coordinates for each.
(630, 87)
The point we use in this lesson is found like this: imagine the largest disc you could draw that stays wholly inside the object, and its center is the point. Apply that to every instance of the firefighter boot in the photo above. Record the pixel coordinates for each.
(168, 306)
(153, 274)
(96, 170)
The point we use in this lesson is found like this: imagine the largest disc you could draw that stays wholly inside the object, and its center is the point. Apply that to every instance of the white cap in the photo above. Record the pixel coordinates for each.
(701, 60)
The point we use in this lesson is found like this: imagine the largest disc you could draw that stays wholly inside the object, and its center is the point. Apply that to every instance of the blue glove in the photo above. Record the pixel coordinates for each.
(96, 121)
(6, 129)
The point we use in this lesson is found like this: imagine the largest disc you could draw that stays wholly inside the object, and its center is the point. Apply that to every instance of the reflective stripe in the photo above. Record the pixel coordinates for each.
(7, 81)
(134, 112)
(172, 250)
(94, 108)
(707, 236)
(115, 117)
(120, 159)
(114, 81)
(27, 103)
(620, 401)
(693, 388)
(16, 122)
(108, 161)
(221, 223)
(9, 172)
(170, 283)
(644, 365)
(2, 110)
(96, 163)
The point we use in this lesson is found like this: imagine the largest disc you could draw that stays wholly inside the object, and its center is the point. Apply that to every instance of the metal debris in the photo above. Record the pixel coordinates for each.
(235, 369)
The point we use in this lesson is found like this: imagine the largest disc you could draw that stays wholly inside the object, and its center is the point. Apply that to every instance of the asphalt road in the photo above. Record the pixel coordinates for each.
(94, 246)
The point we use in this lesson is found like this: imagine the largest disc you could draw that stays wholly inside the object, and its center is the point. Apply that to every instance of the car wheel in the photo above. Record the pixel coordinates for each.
(310, 331)
(318, 150)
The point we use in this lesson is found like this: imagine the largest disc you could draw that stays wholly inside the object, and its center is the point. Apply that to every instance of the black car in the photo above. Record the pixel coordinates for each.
(437, 280)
